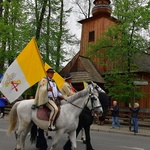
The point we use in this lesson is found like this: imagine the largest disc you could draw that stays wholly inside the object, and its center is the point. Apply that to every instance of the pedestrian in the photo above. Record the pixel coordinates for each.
(115, 115)
(2, 106)
(48, 94)
(67, 88)
(134, 116)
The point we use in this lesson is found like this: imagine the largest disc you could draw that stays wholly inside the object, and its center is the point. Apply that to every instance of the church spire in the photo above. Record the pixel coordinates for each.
(101, 7)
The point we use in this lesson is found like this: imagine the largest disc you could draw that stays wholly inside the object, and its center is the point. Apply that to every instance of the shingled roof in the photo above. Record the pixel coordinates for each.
(142, 60)
(82, 69)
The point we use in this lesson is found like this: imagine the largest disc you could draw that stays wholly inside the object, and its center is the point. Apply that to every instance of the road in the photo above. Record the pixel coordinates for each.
(100, 141)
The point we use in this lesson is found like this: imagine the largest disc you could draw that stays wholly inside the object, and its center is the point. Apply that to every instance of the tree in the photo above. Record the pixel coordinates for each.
(120, 44)
(14, 33)
(45, 20)
(52, 34)
(83, 8)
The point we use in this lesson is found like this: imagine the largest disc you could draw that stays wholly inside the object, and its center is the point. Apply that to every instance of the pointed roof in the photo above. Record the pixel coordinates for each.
(82, 69)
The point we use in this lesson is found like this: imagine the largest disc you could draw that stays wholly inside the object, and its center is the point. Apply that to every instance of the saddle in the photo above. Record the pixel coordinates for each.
(43, 113)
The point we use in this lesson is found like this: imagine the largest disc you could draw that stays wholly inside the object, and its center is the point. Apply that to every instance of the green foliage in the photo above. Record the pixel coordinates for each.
(121, 87)
(20, 20)
(117, 47)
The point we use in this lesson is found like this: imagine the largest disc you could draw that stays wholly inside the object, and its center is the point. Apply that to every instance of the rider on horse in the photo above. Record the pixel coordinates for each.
(67, 89)
(47, 93)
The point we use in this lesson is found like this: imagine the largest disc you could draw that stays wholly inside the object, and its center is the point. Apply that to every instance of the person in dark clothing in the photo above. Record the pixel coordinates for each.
(134, 116)
(115, 115)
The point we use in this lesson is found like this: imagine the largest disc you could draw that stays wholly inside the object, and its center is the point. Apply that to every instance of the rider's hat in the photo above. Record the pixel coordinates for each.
(67, 76)
(50, 70)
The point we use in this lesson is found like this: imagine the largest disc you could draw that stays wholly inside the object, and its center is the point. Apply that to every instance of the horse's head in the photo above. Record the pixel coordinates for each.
(98, 88)
(103, 97)
(94, 103)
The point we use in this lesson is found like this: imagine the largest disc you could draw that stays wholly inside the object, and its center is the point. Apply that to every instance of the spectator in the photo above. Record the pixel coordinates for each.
(2, 105)
(134, 116)
(115, 115)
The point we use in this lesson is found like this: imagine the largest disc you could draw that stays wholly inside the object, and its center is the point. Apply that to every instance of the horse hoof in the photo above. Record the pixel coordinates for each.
(84, 141)
(82, 138)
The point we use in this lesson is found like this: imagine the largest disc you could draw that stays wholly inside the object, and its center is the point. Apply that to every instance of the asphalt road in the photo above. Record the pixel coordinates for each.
(100, 141)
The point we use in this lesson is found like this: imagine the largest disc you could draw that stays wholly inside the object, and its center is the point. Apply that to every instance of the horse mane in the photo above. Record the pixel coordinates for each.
(78, 95)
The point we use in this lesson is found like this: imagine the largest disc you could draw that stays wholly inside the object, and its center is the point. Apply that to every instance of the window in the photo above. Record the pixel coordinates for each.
(91, 36)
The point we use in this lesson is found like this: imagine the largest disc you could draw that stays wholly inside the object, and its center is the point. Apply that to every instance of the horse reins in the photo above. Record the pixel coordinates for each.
(76, 105)
(85, 105)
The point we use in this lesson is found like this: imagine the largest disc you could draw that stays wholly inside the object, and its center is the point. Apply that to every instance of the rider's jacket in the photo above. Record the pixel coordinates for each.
(67, 90)
(42, 95)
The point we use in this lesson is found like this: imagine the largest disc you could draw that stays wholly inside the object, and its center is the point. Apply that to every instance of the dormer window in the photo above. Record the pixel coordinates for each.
(91, 36)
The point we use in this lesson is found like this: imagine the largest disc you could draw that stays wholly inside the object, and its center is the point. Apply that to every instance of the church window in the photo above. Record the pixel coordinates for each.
(91, 36)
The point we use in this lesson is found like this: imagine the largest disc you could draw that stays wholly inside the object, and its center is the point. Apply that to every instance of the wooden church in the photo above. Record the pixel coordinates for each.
(82, 68)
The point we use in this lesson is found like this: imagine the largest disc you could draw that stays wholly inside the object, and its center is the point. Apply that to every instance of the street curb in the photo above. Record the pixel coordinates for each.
(118, 131)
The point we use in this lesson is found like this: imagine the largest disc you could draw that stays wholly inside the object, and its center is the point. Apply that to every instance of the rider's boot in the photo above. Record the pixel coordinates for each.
(33, 106)
(51, 127)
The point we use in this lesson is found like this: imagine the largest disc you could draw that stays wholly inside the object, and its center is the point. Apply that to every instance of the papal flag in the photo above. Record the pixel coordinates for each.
(85, 84)
(25, 71)
(58, 78)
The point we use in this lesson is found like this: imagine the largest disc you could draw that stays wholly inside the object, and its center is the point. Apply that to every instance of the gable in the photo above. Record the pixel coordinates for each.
(82, 69)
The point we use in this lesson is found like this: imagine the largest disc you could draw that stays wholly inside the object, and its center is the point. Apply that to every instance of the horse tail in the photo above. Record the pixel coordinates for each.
(13, 118)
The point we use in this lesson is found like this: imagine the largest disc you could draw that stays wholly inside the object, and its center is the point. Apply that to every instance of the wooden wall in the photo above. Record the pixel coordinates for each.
(99, 24)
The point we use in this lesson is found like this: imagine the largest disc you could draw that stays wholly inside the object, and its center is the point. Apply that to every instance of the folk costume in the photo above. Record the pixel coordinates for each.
(67, 89)
(46, 94)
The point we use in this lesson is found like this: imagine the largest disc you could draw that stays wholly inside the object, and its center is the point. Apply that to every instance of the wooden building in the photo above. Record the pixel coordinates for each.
(82, 68)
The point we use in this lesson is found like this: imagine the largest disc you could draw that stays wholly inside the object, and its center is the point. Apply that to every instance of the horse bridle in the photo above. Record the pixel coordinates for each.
(92, 99)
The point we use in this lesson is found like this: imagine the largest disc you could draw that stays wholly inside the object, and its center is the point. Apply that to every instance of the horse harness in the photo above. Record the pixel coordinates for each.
(92, 99)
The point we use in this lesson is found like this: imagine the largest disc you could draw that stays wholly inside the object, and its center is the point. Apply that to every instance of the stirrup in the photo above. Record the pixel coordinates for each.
(33, 106)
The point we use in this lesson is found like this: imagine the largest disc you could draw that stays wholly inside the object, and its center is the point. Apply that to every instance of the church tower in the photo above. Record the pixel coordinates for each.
(101, 7)
(93, 28)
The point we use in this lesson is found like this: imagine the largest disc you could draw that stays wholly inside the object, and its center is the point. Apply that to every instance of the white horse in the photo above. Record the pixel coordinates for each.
(67, 121)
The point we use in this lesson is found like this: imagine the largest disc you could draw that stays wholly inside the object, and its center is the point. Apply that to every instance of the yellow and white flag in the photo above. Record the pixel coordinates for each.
(58, 79)
(25, 71)
(85, 84)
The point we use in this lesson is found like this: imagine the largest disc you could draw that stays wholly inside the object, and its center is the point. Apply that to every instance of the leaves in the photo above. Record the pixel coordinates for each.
(118, 46)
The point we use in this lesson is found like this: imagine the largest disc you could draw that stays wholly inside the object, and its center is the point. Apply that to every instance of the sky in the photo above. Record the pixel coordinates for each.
(73, 19)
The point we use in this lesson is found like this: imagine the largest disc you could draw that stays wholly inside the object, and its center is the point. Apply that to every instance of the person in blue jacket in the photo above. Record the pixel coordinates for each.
(2, 105)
